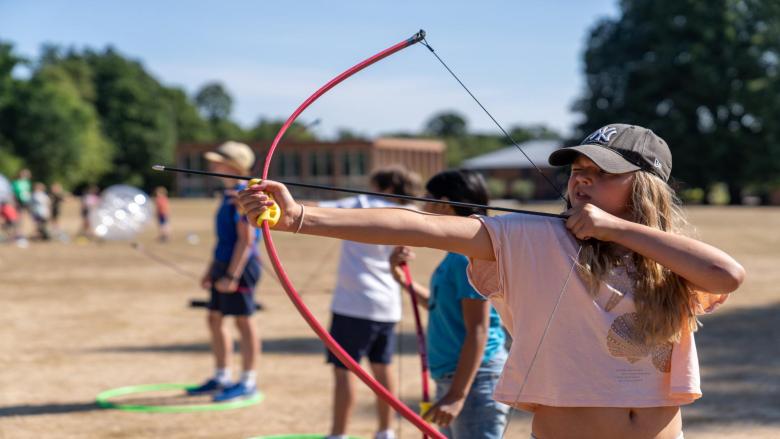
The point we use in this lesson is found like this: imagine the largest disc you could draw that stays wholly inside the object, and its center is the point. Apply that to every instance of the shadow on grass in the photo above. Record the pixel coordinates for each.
(739, 354)
(47, 409)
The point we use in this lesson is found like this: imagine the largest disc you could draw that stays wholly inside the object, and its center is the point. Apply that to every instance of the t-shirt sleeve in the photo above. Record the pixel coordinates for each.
(463, 289)
(708, 302)
(488, 277)
(528, 250)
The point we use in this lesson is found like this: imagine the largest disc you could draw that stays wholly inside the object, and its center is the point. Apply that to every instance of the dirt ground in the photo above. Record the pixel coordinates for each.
(81, 318)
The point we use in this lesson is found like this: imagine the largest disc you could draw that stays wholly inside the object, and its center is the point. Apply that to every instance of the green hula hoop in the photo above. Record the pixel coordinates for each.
(103, 400)
(296, 436)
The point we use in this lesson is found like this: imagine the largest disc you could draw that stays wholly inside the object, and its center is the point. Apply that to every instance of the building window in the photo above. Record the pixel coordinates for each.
(294, 168)
(194, 160)
(321, 163)
(360, 163)
(353, 163)
(346, 163)
(288, 164)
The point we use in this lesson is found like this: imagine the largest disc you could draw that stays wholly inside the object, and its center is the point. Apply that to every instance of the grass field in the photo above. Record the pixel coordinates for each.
(78, 319)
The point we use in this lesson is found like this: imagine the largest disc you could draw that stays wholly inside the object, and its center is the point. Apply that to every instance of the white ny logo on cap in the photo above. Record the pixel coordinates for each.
(602, 135)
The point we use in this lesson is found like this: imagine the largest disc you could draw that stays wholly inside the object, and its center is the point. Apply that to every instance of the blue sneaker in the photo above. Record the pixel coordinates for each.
(238, 390)
(210, 386)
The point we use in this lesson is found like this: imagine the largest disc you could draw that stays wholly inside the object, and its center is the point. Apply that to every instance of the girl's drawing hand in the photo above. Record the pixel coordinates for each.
(588, 221)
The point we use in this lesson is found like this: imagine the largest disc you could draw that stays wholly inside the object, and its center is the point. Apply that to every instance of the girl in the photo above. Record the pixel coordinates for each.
(601, 307)
(465, 339)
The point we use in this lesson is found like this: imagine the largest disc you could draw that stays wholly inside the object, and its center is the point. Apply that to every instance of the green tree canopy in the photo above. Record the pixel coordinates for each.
(446, 124)
(703, 75)
(10, 163)
(137, 117)
(57, 133)
(190, 126)
(214, 101)
(265, 130)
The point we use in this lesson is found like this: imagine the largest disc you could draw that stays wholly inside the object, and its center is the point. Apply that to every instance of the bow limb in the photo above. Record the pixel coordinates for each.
(425, 405)
(307, 315)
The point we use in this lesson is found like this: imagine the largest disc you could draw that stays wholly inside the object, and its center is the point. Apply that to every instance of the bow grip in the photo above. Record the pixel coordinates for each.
(424, 407)
(273, 214)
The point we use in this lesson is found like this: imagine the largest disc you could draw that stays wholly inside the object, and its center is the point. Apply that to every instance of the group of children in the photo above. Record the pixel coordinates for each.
(467, 343)
(44, 209)
(32, 199)
(600, 306)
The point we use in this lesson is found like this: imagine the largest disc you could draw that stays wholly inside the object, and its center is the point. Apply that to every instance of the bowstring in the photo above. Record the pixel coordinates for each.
(509, 137)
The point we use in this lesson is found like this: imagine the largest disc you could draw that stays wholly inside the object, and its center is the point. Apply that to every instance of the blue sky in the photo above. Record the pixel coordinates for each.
(521, 58)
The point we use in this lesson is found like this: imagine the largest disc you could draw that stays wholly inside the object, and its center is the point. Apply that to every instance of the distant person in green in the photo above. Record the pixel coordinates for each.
(22, 194)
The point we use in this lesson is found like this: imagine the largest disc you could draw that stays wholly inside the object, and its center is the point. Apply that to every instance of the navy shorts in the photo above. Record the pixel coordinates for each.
(242, 302)
(363, 337)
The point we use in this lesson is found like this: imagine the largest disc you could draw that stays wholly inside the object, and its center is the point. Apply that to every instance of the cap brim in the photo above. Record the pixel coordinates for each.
(219, 158)
(604, 158)
(214, 157)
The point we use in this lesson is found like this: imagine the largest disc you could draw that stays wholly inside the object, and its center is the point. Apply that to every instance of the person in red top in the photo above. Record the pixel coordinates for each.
(10, 219)
(163, 210)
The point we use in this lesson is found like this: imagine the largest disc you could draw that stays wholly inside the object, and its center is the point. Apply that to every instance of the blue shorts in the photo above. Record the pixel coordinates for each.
(363, 337)
(242, 302)
(162, 219)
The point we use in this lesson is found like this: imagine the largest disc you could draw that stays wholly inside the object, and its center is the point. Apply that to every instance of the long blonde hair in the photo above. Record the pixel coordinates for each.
(664, 301)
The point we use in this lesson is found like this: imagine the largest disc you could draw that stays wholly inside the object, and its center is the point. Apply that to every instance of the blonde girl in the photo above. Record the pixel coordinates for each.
(601, 307)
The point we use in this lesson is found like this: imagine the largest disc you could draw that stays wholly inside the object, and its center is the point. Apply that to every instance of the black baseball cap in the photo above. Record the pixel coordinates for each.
(619, 148)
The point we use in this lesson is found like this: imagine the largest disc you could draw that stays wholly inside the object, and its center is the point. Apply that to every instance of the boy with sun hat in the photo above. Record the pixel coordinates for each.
(231, 276)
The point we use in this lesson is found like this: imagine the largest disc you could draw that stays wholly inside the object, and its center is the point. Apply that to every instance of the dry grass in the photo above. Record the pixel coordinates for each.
(81, 318)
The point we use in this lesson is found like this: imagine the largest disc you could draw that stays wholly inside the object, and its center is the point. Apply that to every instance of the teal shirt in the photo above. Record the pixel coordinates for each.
(22, 190)
(446, 328)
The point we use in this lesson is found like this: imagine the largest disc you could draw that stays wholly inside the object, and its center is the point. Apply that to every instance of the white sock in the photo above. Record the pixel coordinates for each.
(249, 378)
(337, 436)
(387, 434)
(222, 375)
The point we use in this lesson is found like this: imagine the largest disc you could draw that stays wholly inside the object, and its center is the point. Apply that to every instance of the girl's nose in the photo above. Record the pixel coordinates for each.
(583, 178)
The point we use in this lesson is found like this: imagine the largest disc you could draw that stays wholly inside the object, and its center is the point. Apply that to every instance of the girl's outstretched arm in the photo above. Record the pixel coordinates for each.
(389, 226)
(705, 267)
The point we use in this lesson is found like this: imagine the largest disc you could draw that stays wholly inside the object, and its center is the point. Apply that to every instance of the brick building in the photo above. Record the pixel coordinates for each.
(346, 163)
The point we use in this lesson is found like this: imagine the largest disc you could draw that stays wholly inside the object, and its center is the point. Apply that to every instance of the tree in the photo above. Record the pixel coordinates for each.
(56, 132)
(10, 163)
(346, 134)
(446, 124)
(190, 126)
(524, 133)
(703, 75)
(214, 101)
(136, 116)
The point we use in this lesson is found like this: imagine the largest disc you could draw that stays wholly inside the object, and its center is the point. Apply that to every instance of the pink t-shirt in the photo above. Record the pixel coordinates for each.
(591, 355)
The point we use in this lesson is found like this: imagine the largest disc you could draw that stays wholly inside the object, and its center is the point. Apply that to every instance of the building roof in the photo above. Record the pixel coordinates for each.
(433, 145)
(537, 150)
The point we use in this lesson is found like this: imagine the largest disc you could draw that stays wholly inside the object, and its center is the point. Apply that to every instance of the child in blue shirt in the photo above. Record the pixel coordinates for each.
(231, 277)
(466, 342)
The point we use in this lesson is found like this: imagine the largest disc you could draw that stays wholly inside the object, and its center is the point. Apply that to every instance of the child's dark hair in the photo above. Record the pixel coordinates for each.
(398, 179)
(460, 185)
